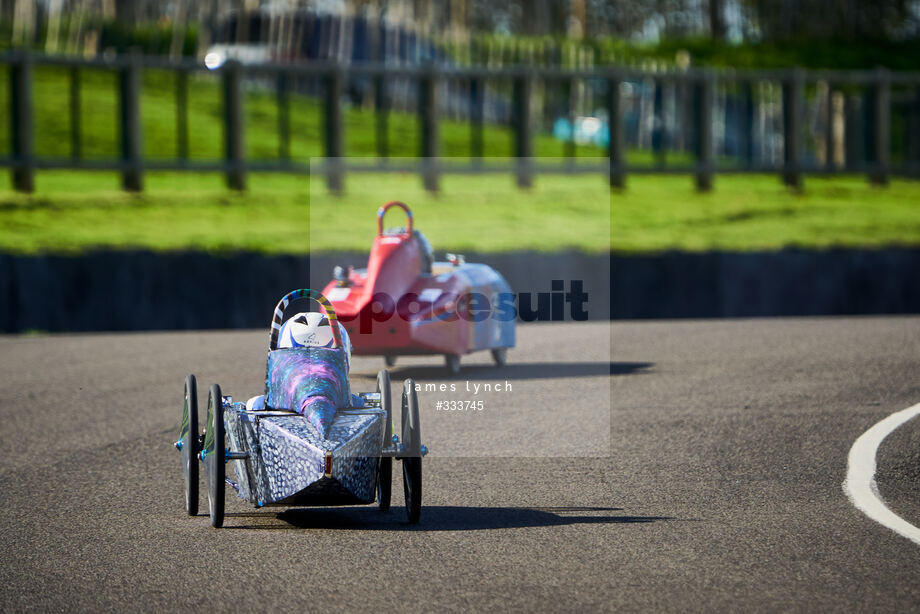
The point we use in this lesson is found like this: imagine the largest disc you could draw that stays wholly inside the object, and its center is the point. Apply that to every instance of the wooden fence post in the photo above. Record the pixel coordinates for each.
(182, 115)
(830, 139)
(658, 135)
(748, 110)
(477, 111)
(132, 176)
(793, 103)
(684, 115)
(233, 125)
(74, 99)
(381, 115)
(283, 101)
(428, 129)
(615, 126)
(334, 140)
(21, 123)
(704, 151)
(853, 132)
(523, 146)
(570, 147)
(881, 123)
(913, 132)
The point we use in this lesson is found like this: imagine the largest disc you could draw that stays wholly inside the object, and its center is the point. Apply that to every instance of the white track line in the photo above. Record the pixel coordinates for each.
(860, 484)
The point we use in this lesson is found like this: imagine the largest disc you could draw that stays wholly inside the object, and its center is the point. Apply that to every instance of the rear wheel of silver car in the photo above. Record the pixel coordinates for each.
(188, 440)
(385, 468)
(214, 449)
(412, 452)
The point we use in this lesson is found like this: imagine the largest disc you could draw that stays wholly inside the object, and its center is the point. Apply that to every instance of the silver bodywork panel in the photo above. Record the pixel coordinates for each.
(286, 461)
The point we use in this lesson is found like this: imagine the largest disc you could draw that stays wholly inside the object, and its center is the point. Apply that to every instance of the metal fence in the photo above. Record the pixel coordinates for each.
(790, 122)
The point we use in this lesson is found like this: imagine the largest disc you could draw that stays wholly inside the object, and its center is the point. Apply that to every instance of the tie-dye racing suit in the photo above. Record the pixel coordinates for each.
(312, 381)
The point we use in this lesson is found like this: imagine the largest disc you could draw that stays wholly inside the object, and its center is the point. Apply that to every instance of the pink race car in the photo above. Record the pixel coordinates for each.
(405, 302)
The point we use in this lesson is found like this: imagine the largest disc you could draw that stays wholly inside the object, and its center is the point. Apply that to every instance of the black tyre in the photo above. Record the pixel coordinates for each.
(385, 468)
(188, 442)
(214, 456)
(412, 455)
(389, 360)
(452, 362)
(500, 356)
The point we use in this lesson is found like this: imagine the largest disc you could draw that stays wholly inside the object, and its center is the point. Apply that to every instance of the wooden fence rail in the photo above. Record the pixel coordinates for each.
(866, 98)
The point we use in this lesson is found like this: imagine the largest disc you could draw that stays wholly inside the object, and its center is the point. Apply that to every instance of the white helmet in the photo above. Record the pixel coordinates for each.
(311, 329)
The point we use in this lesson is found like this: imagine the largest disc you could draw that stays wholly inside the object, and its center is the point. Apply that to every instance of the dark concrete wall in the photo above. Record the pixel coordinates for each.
(143, 290)
(148, 291)
(784, 283)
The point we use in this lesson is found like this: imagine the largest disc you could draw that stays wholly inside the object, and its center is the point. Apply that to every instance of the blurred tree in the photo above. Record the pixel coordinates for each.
(72, 25)
(778, 20)
(125, 11)
(717, 19)
(6, 10)
(459, 18)
(576, 21)
(179, 22)
(536, 21)
(24, 22)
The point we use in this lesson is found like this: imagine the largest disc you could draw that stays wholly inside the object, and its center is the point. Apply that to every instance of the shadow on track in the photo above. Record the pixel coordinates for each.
(434, 518)
(520, 370)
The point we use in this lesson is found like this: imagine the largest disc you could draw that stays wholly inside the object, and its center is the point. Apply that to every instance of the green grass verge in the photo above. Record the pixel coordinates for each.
(484, 213)
(747, 213)
(72, 212)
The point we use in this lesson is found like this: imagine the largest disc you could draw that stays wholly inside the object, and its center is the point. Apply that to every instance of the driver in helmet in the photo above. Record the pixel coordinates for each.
(312, 330)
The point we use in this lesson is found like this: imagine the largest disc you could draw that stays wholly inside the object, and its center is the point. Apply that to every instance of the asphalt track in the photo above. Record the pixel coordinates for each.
(721, 488)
